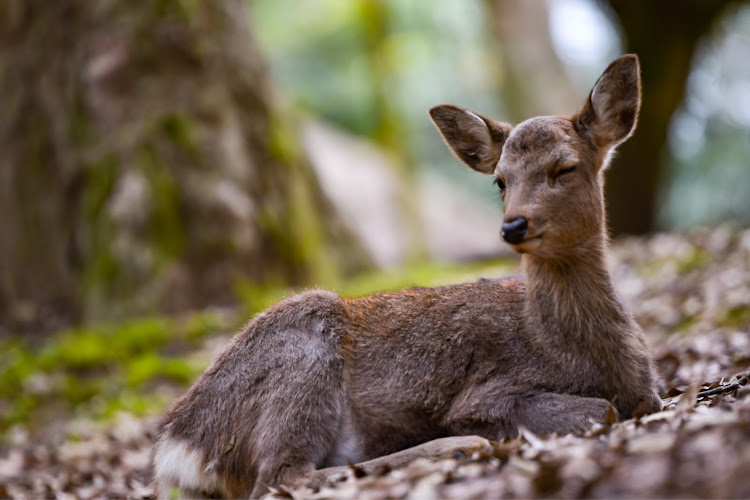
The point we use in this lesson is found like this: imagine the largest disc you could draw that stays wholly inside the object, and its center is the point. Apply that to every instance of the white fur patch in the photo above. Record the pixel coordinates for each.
(476, 117)
(481, 132)
(347, 448)
(177, 465)
(602, 103)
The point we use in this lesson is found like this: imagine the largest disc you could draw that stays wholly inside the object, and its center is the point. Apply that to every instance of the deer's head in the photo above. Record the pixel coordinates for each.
(549, 169)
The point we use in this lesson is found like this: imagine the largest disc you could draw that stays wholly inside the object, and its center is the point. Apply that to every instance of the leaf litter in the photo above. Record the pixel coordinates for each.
(690, 293)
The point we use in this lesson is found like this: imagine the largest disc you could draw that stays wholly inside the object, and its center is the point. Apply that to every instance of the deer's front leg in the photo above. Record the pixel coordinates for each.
(539, 412)
(547, 412)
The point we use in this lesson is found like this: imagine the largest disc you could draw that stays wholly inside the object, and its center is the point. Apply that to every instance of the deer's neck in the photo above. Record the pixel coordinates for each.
(583, 332)
(574, 298)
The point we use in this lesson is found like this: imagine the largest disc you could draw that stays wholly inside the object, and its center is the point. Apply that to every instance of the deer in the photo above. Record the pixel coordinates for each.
(318, 381)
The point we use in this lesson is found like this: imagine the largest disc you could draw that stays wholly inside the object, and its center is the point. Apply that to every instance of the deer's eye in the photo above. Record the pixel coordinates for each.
(500, 184)
(565, 171)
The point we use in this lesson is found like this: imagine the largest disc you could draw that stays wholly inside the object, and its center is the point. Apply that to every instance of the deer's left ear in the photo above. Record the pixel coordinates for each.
(474, 139)
(610, 114)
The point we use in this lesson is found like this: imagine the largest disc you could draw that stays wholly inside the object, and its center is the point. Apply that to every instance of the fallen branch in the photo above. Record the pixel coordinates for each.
(723, 389)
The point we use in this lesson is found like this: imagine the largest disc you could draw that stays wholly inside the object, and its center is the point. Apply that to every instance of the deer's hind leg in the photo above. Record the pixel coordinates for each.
(299, 436)
(303, 399)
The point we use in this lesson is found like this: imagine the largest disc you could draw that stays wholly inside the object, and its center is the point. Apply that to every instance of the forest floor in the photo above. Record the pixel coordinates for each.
(690, 293)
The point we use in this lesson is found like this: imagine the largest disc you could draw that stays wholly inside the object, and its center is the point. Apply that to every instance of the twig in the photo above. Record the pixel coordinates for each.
(725, 388)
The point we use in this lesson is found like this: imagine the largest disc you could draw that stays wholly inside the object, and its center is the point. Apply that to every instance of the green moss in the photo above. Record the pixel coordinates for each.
(81, 350)
(198, 325)
(107, 276)
(142, 334)
(19, 410)
(256, 297)
(134, 402)
(187, 8)
(282, 144)
(100, 346)
(686, 323)
(298, 235)
(151, 367)
(184, 9)
(695, 259)
(17, 363)
(166, 227)
(736, 316)
(308, 233)
(38, 134)
(429, 274)
(100, 266)
(17, 367)
(76, 390)
(178, 130)
(290, 255)
(100, 183)
(79, 131)
(96, 370)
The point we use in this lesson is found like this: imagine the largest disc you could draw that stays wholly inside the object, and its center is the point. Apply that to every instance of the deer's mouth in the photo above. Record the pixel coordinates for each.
(528, 244)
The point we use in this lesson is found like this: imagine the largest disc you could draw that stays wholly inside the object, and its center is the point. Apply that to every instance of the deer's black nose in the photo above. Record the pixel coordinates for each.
(515, 230)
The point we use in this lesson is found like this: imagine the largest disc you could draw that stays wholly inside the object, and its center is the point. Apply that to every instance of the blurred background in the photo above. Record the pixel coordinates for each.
(159, 158)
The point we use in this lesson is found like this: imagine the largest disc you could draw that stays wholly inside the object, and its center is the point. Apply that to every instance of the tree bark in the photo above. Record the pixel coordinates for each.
(144, 166)
(664, 34)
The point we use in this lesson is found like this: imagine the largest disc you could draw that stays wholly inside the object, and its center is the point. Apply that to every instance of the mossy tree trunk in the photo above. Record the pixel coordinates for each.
(143, 166)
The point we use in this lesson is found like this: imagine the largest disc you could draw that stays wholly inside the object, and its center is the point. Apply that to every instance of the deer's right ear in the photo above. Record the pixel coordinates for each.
(474, 139)
(610, 114)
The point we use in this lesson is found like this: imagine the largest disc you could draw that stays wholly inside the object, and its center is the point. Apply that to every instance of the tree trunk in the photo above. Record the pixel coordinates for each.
(664, 34)
(143, 165)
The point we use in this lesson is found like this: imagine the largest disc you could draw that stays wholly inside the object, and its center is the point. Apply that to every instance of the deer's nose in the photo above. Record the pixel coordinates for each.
(515, 230)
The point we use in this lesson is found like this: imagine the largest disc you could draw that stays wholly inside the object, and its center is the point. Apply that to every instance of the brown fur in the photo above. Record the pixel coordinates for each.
(317, 380)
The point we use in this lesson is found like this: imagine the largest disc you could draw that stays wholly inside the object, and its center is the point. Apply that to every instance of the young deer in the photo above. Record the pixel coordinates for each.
(318, 381)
